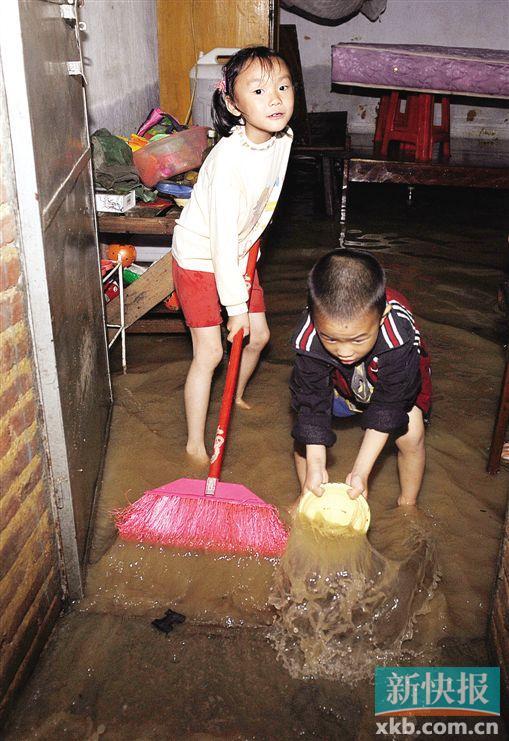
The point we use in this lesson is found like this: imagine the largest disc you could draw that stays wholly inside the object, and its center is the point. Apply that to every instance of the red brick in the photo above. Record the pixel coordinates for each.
(27, 590)
(7, 227)
(23, 417)
(14, 349)
(11, 308)
(12, 501)
(36, 546)
(8, 354)
(25, 652)
(17, 388)
(28, 663)
(13, 539)
(9, 396)
(5, 441)
(9, 270)
(24, 454)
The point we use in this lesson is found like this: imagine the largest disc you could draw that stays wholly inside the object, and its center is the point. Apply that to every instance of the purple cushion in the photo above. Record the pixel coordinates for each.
(440, 69)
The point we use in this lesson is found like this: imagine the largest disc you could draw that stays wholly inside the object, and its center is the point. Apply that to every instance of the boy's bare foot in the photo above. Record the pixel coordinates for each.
(199, 455)
(404, 502)
(242, 404)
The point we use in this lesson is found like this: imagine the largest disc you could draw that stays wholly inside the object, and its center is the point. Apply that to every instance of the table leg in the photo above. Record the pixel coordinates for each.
(501, 422)
(381, 121)
(424, 144)
(328, 184)
(344, 197)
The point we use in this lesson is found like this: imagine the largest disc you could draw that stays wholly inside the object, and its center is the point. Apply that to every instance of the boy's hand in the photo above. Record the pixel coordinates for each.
(372, 445)
(315, 476)
(358, 484)
(241, 321)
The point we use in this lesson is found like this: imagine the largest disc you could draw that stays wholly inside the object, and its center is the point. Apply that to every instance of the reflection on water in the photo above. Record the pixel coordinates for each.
(342, 606)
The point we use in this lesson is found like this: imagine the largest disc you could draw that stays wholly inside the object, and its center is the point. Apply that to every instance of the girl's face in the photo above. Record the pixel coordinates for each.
(263, 96)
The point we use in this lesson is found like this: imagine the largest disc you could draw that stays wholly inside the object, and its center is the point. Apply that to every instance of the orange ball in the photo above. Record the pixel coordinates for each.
(126, 252)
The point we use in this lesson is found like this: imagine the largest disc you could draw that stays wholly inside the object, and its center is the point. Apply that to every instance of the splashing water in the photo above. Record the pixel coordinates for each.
(343, 607)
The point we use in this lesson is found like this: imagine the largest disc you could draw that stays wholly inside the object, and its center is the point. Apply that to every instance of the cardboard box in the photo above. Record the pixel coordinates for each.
(114, 203)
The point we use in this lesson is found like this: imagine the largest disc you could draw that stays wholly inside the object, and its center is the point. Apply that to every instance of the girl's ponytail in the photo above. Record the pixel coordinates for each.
(222, 118)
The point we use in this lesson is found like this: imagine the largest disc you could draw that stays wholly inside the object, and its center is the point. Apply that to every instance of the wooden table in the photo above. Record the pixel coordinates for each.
(132, 223)
(155, 284)
(473, 164)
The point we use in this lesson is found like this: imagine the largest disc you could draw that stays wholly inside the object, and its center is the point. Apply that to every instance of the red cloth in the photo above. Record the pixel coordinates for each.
(423, 401)
(199, 300)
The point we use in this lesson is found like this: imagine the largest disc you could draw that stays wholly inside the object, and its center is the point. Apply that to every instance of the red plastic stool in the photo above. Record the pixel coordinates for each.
(381, 120)
(413, 129)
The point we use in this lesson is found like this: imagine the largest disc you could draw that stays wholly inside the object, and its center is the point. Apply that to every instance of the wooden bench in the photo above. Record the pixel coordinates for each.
(154, 285)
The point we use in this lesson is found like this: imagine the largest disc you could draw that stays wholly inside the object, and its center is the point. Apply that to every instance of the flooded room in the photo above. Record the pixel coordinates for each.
(287, 520)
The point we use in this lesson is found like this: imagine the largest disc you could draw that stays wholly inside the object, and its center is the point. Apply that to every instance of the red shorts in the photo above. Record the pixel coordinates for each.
(199, 300)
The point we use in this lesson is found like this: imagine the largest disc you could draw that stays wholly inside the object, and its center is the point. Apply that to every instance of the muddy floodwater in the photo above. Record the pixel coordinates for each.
(418, 587)
(342, 607)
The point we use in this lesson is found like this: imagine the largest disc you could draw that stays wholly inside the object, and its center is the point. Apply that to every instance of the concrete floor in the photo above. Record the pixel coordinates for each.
(106, 673)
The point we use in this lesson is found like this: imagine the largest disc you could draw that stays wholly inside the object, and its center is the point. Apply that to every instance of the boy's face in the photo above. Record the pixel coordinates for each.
(349, 340)
(264, 98)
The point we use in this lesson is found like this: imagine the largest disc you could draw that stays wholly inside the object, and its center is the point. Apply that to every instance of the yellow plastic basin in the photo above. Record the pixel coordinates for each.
(335, 510)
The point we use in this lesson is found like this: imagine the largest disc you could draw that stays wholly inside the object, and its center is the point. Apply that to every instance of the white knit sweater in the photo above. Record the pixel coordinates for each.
(232, 202)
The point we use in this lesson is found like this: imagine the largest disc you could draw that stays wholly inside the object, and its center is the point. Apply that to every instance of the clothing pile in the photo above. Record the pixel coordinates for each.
(114, 170)
(122, 164)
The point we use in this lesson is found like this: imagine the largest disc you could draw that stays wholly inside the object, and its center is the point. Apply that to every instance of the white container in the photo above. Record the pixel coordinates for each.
(205, 75)
(114, 203)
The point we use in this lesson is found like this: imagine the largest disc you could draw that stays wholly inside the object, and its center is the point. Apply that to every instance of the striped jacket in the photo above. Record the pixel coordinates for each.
(384, 387)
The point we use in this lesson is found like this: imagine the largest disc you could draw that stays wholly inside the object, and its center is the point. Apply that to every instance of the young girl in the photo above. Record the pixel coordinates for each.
(231, 204)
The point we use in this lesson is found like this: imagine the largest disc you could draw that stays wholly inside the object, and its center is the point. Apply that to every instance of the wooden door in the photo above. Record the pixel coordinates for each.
(42, 64)
(189, 26)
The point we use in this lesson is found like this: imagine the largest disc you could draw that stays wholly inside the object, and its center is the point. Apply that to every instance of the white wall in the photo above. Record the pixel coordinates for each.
(470, 23)
(120, 50)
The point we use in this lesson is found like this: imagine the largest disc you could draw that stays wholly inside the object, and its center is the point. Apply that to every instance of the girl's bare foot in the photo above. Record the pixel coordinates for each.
(199, 455)
(242, 404)
(505, 453)
(404, 502)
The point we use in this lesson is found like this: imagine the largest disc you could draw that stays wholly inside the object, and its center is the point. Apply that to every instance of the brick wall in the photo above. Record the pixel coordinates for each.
(30, 592)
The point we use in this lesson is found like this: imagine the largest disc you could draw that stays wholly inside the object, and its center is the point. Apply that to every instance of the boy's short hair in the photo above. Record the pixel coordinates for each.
(346, 283)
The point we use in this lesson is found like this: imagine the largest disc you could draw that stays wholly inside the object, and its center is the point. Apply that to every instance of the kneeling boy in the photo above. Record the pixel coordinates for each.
(359, 351)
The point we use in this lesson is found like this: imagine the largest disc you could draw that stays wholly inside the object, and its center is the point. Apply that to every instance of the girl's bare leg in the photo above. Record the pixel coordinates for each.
(258, 337)
(207, 354)
(411, 458)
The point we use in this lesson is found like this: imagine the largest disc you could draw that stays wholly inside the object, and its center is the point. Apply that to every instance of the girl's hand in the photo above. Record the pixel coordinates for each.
(358, 484)
(241, 321)
(316, 475)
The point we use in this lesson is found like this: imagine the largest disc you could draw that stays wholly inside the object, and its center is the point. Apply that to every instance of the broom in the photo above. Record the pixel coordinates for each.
(209, 515)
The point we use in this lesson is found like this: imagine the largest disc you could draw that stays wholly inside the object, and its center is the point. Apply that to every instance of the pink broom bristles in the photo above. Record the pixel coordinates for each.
(203, 522)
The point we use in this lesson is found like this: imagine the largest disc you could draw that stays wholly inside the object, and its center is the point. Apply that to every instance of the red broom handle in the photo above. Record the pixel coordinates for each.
(232, 376)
